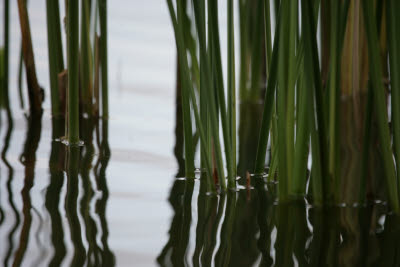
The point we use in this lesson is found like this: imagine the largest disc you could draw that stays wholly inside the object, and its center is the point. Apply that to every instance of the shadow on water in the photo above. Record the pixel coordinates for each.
(81, 223)
(249, 227)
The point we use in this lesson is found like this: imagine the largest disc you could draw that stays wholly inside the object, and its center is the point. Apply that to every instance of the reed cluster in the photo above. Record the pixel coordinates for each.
(215, 107)
(86, 58)
(325, 103)
(74, 87)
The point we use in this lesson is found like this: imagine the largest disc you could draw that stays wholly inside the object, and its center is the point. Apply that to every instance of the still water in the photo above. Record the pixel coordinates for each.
(119, 200)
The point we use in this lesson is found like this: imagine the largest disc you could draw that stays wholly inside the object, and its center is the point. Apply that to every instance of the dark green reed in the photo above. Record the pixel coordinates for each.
(73, 71)
(86, 65)
(56, 61)
(231, 84)
(104, 55)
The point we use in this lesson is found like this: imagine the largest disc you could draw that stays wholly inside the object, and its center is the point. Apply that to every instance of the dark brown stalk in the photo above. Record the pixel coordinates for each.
(34, 91)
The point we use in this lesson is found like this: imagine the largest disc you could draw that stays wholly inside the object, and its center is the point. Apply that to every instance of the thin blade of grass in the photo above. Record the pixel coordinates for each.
(232, 85)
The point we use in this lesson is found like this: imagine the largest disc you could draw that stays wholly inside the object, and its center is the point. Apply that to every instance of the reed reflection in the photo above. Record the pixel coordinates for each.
(107, 256)
(78, 170)
(88, 193)
(71, 204)
(28, 159)
(11, 233)
(53, 193)
(242, 229)
(79, 166)
(250, 227)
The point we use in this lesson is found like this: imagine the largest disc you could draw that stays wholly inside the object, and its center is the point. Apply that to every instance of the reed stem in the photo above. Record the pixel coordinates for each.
(34, 91)
(55, 53)
(73, 68)
(104, 56)
(6, 44)
(333, 98)
(232, 84)
(85, 59)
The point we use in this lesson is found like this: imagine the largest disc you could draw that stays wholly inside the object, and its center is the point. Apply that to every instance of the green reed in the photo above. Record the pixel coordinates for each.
(213, 101)
(231, 84)
(87, 58)
(303, 109)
